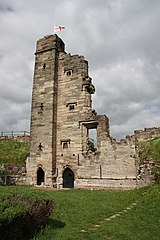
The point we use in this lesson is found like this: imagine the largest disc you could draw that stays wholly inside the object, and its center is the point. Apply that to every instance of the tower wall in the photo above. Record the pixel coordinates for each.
(74, 108)
(44, 110)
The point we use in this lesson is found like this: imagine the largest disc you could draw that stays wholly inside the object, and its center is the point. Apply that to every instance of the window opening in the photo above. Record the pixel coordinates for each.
(40, 147)
(41, 106)
(44, 66)
(71, 107)
(68, 72)
(92, 139)
(65, 145)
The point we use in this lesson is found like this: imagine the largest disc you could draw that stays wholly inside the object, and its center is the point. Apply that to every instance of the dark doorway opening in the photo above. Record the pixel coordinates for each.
(40, 176)
(68, 178)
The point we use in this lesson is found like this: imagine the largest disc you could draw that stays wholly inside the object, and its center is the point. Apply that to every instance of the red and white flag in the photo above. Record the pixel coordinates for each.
(59, 28)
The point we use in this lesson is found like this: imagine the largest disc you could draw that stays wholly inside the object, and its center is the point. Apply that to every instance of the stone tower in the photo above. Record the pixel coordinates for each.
(61, 102)
(41, 163)
(61, 152)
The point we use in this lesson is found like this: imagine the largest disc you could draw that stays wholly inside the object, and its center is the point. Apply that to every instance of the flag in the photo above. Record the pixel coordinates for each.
(59, 28)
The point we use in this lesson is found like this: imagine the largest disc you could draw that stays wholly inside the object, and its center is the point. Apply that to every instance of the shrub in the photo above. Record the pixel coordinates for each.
(20, 216)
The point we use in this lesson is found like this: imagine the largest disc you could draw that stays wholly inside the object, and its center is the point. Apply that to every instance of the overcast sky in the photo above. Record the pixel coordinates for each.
(119, 38)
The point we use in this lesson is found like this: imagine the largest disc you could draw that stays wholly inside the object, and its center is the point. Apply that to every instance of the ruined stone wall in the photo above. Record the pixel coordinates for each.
(111, 166)
(144, 169)
(62, 117)
(25, 139)
(15, 174)
(74, 109)
(147, 133)
(112, 162)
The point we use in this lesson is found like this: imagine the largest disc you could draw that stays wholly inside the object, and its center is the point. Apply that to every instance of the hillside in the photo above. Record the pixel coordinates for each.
(12, 151)
(151, 150)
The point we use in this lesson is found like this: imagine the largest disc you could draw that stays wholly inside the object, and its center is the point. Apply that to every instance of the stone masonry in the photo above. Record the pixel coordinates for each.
(61, 119)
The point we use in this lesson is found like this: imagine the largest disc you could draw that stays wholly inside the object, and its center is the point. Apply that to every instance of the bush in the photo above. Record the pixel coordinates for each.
(20, 216)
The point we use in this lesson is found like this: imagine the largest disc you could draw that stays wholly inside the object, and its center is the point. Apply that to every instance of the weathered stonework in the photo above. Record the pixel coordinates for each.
(15, 173)
(61, 119)
(24, 139)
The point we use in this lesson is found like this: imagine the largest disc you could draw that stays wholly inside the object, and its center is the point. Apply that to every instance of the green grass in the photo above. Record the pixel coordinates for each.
(150, 149)
(13, 151)
(77, 210)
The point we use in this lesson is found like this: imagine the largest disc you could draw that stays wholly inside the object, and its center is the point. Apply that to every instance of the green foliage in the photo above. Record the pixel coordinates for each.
(12, 151)
(21, 214)
(91, 145)
(11, 210)
(91, 88)
(2, 170)
(151, 150)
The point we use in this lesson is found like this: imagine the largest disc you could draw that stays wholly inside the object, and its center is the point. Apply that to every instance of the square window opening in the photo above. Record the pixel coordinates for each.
(65, 145)
(71, 107)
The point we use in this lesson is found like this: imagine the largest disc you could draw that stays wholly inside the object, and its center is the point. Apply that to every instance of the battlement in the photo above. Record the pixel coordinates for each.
(21, 136)
(50, 42)
(147, 133)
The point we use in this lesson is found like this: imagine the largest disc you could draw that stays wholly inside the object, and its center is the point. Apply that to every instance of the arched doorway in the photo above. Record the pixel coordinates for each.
(68, 178)
(40, 176)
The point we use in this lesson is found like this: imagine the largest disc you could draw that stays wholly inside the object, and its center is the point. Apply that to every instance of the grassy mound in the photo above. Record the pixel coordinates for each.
(99, 214)
(12, 151)
(151, 150)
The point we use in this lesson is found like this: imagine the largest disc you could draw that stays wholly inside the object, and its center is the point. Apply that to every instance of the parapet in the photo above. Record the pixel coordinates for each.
(50, 42)
(147, 133)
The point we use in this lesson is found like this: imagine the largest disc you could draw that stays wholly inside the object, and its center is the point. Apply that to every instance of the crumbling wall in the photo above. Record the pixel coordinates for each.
(147, 134)
(15, 174)
(111, 166)
(25, 138)
(145, 176)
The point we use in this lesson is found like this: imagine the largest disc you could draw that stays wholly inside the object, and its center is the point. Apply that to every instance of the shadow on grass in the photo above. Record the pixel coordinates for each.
(55, 223)
(14, 232)
(50, 224)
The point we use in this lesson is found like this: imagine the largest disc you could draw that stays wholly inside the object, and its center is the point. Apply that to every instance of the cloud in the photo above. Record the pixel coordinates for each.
(120, 39)
(5, 7)
(126, 92)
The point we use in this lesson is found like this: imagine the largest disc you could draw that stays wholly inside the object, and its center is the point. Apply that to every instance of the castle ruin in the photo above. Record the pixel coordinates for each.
(61, 152)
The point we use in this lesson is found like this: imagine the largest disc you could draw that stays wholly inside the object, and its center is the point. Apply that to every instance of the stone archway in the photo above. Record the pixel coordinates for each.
(40, 176)
(68, 178)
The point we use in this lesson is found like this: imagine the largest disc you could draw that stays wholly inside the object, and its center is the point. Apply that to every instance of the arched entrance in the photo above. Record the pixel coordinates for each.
(40, 176)
(68, 178)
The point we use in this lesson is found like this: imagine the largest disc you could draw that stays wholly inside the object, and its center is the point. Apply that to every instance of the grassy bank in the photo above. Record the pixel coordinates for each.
(150, 149)
(113, 215)
(13, 151)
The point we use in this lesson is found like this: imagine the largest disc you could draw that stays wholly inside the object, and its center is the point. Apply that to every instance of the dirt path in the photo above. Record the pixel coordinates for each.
(111, 218)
